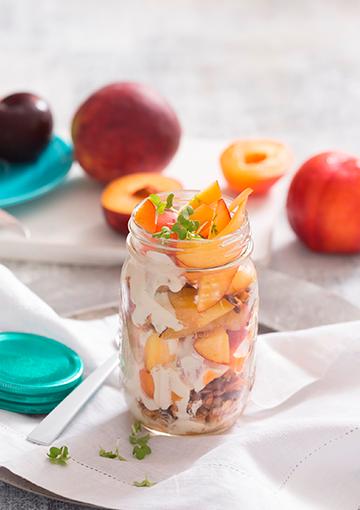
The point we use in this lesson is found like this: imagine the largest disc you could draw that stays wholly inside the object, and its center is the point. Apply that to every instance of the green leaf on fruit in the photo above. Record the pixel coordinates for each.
(160, 205)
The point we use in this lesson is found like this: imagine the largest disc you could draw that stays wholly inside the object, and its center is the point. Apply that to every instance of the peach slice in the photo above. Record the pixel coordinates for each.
(207, 196)
(197, 255)
(241, 281)
(156, 352)
(241, 199)
(209, 376)
(203, 214)
(214, 346)
(257, 164)
(220, 218)
(175, 397)
(145, 216)
(146, 382)
(121, 196)
(166, 219)
(188, 314)
(213, 287)
(238, 217)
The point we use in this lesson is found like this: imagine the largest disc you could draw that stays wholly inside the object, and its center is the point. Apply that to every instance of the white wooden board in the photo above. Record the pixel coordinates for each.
(67, 225)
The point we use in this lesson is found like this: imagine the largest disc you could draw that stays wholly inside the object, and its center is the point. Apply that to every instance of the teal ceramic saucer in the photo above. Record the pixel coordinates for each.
(36, 372)
(20, 183)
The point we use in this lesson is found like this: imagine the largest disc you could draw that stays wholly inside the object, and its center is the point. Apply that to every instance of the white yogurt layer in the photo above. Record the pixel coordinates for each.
(145, 279)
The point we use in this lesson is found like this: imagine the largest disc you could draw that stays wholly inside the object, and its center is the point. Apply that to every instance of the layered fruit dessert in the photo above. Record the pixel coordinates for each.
(189, 310)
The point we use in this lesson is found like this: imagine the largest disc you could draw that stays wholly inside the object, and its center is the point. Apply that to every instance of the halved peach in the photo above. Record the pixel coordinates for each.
(121, 196)
(187, 313)
(257, 164)
(214, 346)
(146, 382)
(203, 214)
(212, 287)
(156, 352)
(220, 219)
(207, 196)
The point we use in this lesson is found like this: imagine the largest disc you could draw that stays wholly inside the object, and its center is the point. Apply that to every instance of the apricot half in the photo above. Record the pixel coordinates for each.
(121, 196)
(257, 164)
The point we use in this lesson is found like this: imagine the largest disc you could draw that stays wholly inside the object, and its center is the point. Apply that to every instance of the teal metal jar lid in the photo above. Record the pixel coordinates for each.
(17, 407)
(33, 365)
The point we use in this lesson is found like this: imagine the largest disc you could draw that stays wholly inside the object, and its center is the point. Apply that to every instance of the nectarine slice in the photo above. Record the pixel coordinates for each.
(187, 313)
(241, 199)
(203, 214)
(145, 216)
(257, 164)
(146, 382)
(175, 397)
(156, 352)
(220, 218)
(209, 376)
(237, 219)
(213, 287)
(121, 196)
(214, 346)
(207, 196)
(241, 281)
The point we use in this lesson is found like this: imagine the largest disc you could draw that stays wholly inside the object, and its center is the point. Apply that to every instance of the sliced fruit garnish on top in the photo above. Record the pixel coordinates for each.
(220, 218)
(203, 214)
(156, 352)
(238, 218)
(214, 346)
(213, 287)
(207, 196)
(187, 313)
(241, 199)
(145, 216)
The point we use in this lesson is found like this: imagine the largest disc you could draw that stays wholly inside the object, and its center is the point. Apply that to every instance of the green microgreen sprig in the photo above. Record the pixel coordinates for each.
(111, 454)
(144, 483)
(59, 455)
(141, 448)
(184, 227)
(161, 205)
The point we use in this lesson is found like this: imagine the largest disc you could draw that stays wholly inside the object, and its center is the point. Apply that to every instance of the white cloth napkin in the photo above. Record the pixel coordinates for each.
(296, 447)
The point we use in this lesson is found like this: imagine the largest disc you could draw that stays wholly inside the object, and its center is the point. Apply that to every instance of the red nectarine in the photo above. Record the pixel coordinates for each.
(124, 128)
(323, 203)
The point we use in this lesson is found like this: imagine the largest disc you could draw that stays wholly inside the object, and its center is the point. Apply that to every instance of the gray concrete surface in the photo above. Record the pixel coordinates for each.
(288, 70)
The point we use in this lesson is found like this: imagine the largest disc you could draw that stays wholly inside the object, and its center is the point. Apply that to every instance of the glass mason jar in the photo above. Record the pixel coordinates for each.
(189, 325)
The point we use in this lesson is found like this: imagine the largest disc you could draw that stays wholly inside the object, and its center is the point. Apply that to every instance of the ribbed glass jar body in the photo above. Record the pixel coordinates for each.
(189, 324)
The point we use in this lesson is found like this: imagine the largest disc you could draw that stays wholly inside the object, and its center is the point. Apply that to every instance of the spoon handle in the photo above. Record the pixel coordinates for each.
(9, 221)
(55, 422)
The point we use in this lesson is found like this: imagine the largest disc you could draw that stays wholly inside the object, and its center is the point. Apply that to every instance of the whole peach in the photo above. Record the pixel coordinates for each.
(323, 203)
(124, 128)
